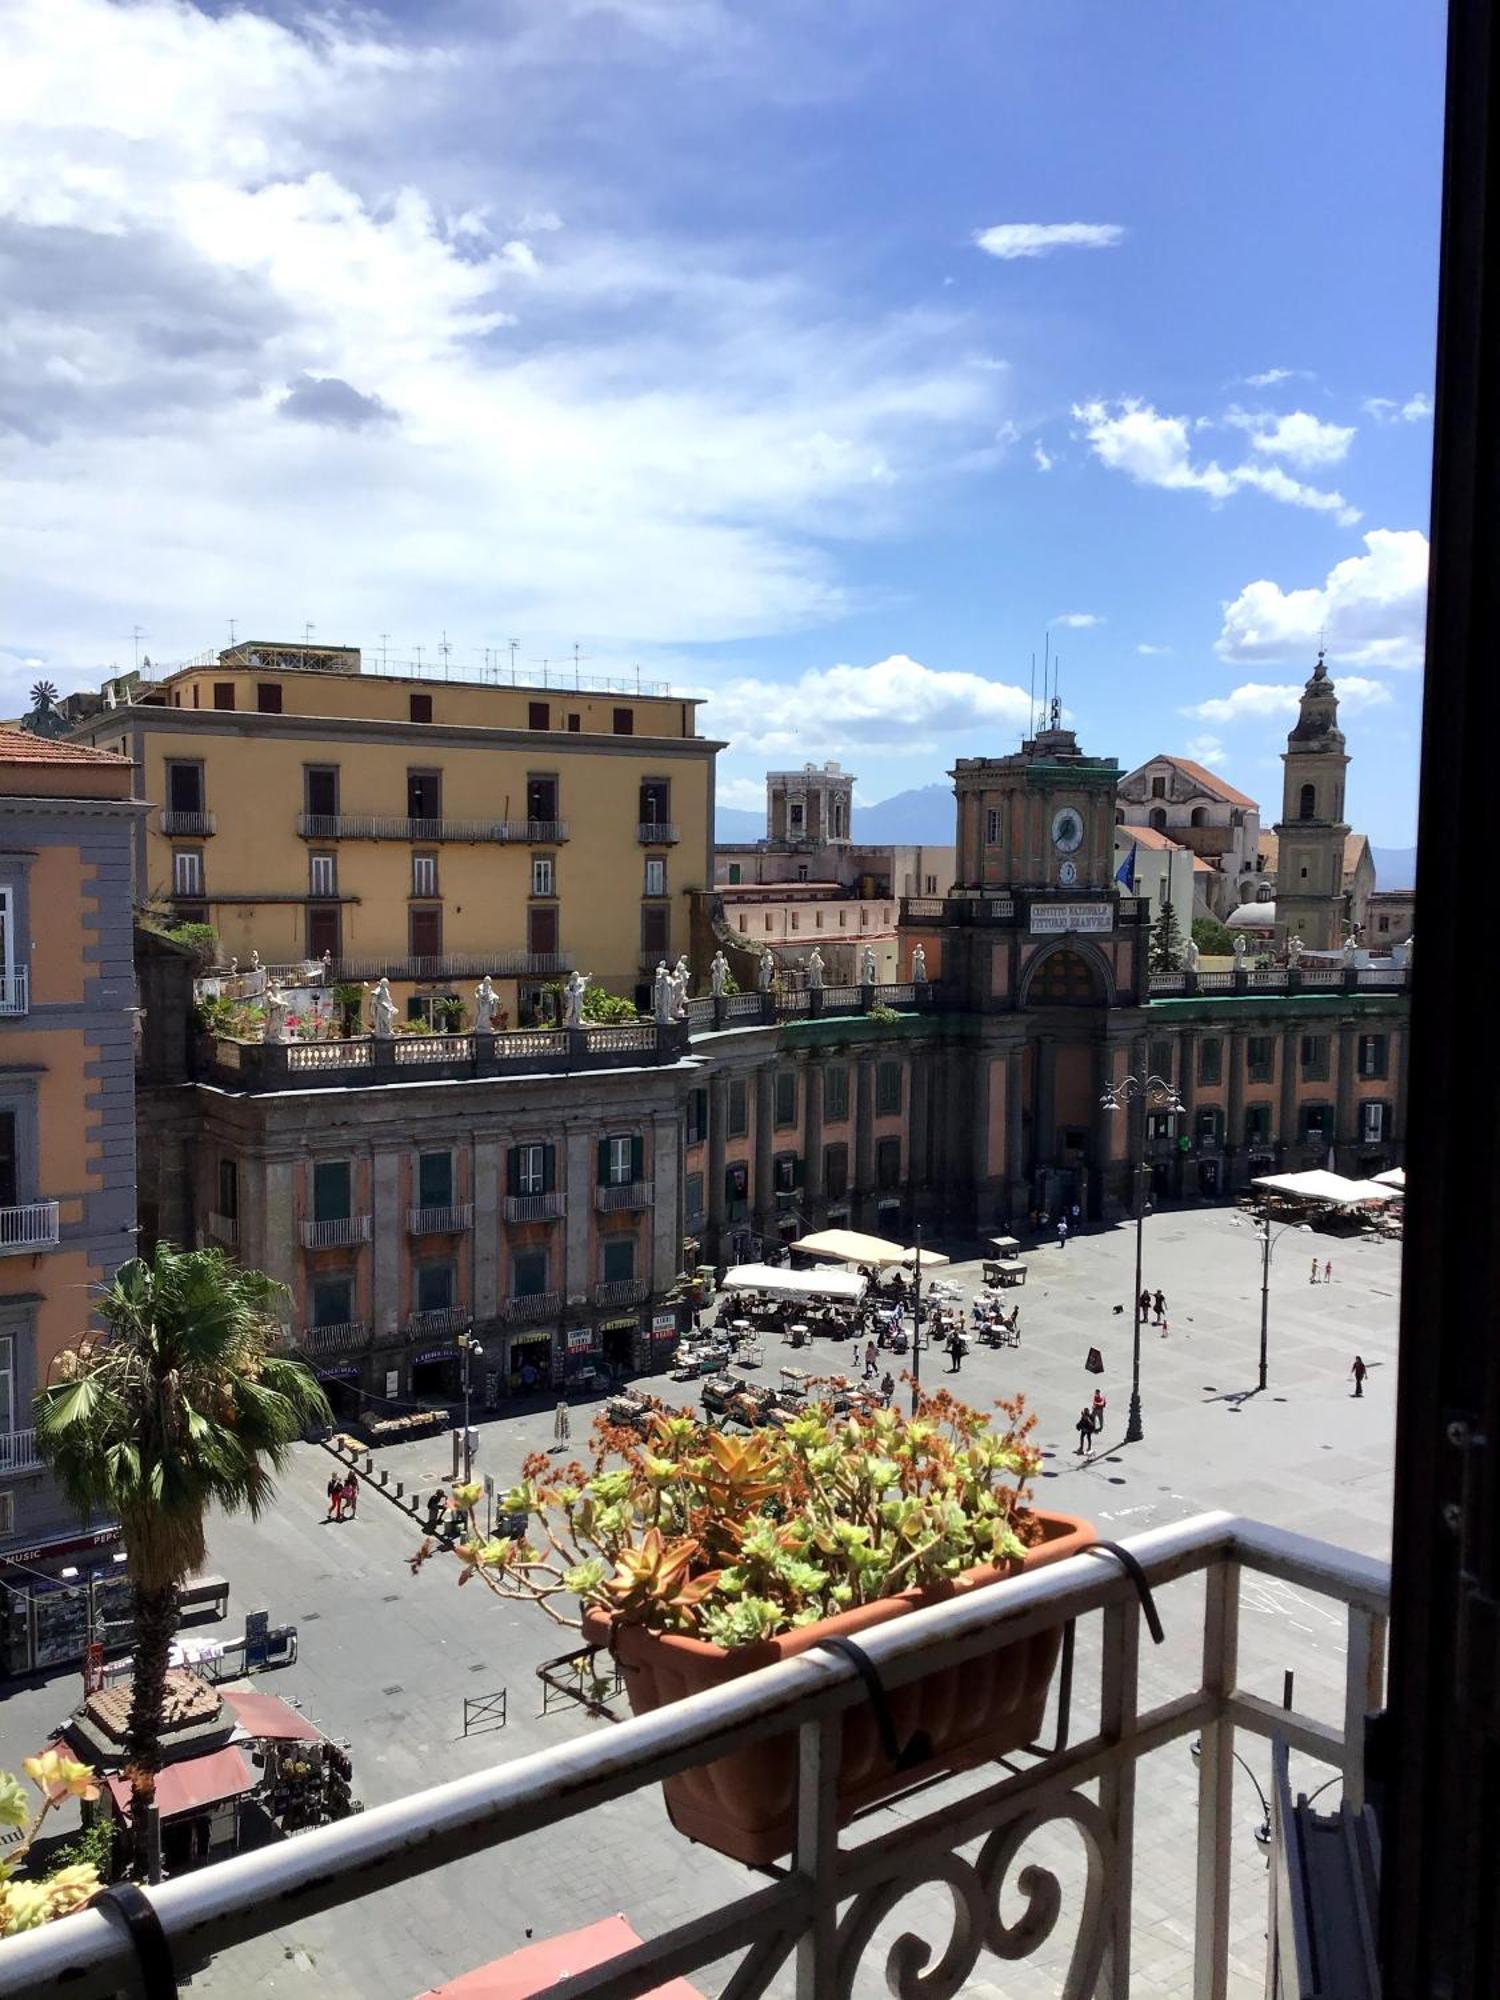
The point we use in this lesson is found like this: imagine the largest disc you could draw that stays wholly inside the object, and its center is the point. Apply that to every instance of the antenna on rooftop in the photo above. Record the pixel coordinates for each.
(1046, 671)
(384, 637)
(514, 645)
(418, 651)
(577, 656)
(1031, 699)
(447, 653)
(307, 632)
(231, 631)
(137, 633)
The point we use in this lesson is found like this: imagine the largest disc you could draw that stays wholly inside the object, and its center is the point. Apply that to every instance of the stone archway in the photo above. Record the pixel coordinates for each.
(1069, 973)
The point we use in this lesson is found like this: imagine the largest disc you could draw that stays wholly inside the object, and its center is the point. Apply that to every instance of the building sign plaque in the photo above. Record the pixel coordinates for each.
(1055, 919)
(580, 1339)
(664, 1326)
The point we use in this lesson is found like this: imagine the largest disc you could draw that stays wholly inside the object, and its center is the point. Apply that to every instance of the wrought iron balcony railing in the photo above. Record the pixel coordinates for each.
(532, 1306)
(195, 825)
(33, 1225)
(18, 1452)
(450, 1221)
(811, 1930)
(624, 1194)
(343, 1230)
(534, 1207)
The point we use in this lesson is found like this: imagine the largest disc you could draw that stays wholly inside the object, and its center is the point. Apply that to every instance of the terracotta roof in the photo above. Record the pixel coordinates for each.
(19, 746)
(1202, 867)
(1353, 842)
(1215, 787)
(1148, 836)
(191, 1784)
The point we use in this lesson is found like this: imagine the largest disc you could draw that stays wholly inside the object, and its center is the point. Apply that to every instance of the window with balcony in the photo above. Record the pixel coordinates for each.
(184, 788)
(1258, 1125)
(786, 1173)
(331, 1301)
(538, 715)
(621, 1159)
(692, 1198)
(187, 871)
(835, 1171)
(322, 875)
(1314, 1056)
(424, 874)
(435, 1180)
(738, 1108)
(786, 1097)
(541, 799)
(7, 1385)
(332, 1191)
(424, 795)
(1372, 1055)
(12, 973)
(424, 932)
(1374, 1120)
(1260, 1058)
(1210, 1060)
(223, 694)
(697, 1116)
(655, 802)
(887, 1088)
(434, 1289)
(736, 1187)
(325, 931)
(268, 697)
(654, 926)
(321, 790)
(1315, 1124)
(656, 876)
(541, 929)
(1210, 1127)
(10, 1166)
(624, 722)
(617, 1262)
(836, 1092)
(543, 875)
(419, 708)
(528, 1274)
(530, 1169)
(887, 1164)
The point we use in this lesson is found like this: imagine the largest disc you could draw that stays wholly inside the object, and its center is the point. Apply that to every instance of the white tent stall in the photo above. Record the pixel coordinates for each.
(775, 1279)
(850, 1246)
(1317, 1184)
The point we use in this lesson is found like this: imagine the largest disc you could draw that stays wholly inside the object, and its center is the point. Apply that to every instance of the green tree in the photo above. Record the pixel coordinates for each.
(181, 1404)
(1166, 941)
(1213, 939)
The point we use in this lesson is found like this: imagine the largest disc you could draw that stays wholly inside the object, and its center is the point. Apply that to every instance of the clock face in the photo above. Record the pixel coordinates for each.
(1068, 874)
(1067, 830)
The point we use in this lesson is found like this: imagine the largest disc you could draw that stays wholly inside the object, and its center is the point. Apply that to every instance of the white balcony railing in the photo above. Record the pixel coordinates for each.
(534, 1207)
(440, 1221)
(657, 833)
(15, 991)
(18, 1452)
(809, 1931)
(194, 825)
(628, 1194)
(343, 1230)
(224, 1229)
(31, 1226)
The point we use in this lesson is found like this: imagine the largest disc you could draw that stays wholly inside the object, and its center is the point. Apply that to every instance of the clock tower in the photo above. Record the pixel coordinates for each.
(1312, 830)
(1042, 821)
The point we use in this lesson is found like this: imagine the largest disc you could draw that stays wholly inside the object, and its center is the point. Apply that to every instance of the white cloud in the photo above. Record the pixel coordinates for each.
(1386, 410)
(594, 432)
(1042, 458)
(1040, 239)
(1079, 621)
(1150, 652)
(749, 794)
(895, 707)
(1132, 437)
(1269, 377)
(1206, 750)
(1302, 439)
(1256, 700)
(1371, 610)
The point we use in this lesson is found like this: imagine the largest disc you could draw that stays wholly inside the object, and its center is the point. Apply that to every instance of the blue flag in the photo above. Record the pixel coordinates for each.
(1125, 873)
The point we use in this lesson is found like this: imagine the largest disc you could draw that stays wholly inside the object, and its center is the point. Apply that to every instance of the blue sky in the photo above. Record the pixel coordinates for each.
(819, 357)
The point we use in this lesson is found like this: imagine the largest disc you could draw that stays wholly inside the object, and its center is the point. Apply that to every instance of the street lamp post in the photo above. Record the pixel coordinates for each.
(471, 1351)
(1156, 1091)
(1268, 1243)
(916, 1329)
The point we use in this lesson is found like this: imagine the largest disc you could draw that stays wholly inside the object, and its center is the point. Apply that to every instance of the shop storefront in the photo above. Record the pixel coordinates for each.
(620, 1344)
(659, 1336)
(583, 1360)
(528, 1363)
(340, 1384)
(436, 1372)
(61, 1597)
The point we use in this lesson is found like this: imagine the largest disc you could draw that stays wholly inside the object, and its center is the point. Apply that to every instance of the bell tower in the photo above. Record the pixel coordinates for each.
(1312, 828)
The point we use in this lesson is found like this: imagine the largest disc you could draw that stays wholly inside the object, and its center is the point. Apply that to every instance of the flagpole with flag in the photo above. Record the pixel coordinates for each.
(1125, 873)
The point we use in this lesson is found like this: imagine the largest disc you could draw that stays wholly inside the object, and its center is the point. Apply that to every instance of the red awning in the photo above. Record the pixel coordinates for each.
(269, 1715)
(536, 1968)
(192, 1785)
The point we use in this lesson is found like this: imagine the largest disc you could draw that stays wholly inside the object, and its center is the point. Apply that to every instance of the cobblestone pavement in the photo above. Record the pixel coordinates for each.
(387, 1658)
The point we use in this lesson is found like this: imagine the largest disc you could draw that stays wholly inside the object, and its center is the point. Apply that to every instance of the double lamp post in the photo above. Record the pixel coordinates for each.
(1143, 1093)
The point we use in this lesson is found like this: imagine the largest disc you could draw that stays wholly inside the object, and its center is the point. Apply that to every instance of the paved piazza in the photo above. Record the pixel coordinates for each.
(387, 1658)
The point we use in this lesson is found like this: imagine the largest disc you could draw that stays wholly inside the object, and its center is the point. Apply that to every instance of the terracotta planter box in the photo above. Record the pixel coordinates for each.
(744, 1805)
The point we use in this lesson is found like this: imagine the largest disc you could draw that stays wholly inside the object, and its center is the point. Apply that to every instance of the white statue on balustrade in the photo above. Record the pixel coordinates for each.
(1350, 949)
(486, 1006)
(765, 972)
(255, 961)
(919, 965)
(382, 1010)
(1191, 955)
(1239, 951)
(578, 984)
(815, 970)
(276, 1013)
(680, 971)
(868, 974)
(718, 975)
(1294, 950)
(661, 993)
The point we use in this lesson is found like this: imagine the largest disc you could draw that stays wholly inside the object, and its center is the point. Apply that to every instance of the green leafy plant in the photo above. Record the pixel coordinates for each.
(883, 1013)
(450, 1014)
(1213, 939)
(349, 998)
(607, 1007)
(215, 1017)
(200, 939)
(738, 1538)
(184, 1404)
(27, 1901)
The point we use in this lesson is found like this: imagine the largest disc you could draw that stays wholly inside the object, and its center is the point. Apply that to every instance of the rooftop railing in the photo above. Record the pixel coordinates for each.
(811, 1929)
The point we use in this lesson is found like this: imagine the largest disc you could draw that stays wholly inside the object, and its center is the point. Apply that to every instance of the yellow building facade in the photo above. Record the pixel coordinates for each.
(428, 830)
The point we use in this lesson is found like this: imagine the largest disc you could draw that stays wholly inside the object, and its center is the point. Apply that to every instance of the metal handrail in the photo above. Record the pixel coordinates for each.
(91, 1956)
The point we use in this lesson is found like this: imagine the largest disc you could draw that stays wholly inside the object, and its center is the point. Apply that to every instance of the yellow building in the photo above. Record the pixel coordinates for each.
(67, 1148)
(430, 830)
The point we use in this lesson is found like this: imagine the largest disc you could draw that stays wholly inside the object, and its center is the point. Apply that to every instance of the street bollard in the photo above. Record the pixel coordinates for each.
(400, 1488)
(385, 1477)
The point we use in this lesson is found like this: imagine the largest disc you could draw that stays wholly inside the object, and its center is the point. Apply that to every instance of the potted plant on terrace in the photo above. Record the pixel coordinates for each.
(696, 1557)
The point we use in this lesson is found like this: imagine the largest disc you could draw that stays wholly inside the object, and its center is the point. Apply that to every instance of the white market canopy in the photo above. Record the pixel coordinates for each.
(1317, 1184)
(849, 1246)
(794, 1284)
(1393, 1177)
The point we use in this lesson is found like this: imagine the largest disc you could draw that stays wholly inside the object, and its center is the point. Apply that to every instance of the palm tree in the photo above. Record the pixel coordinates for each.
(182, 1403)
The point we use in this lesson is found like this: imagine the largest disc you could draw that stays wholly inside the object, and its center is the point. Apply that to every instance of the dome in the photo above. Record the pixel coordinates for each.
(1252, 917)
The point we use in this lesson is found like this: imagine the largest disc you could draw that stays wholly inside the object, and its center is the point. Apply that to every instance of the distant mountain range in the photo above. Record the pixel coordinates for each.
(1395, 867)
(920, 817)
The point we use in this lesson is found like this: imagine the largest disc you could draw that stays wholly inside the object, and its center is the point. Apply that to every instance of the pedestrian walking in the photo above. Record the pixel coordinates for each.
(1062, 1232)
(1359, 1372)
(1145, 1305)
(872, 1366)
(1160, 1303)
(955, 1352)
(436, 1502)
(335, 1498)
(562, 1427)
(1085, 1429)
(887, 1388)
(1328, 1272)
(1099, 1408)
(351, 1498)
(1313, 1278)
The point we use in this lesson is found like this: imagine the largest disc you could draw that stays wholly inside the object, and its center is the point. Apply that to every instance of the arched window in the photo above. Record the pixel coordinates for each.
(1159, 818)
(1066, 979)
(1199, 816)
(1307, 802)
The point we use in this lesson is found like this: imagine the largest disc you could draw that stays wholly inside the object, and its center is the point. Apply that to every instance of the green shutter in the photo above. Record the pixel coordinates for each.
(549, 1169)
(637, 1157)
(602, 1173)
(513, 1171)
